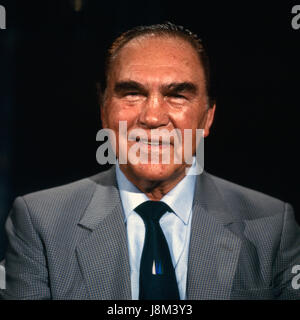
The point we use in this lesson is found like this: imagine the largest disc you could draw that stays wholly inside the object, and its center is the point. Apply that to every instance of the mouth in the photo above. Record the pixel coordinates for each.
(154, 143)
(158, 149)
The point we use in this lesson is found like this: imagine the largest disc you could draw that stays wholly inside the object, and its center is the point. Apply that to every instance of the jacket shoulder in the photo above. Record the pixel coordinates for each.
(250, 204)
(67, 201)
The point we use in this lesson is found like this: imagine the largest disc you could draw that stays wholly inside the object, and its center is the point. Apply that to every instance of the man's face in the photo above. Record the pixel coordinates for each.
(156, 83)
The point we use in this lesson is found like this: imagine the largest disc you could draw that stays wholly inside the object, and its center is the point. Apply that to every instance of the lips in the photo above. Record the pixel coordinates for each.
(152, 142)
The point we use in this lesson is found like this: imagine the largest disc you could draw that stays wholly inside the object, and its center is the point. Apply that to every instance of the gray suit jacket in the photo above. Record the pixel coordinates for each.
(70, 243)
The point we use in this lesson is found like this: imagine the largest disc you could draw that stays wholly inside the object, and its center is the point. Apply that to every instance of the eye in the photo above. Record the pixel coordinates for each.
(178, 96)
(175, 97)
(133, 96)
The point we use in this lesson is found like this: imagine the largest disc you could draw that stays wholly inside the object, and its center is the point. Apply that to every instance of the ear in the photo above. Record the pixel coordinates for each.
(103, 116)
(209, 119)
(102, 106)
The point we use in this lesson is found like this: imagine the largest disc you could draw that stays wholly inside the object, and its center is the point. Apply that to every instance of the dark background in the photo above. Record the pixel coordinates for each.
(52, 56)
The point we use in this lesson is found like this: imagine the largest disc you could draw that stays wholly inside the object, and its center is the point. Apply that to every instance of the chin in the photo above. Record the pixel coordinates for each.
(156, 172)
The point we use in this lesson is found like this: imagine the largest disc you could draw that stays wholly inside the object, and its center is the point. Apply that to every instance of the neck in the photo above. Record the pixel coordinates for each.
(155, 189)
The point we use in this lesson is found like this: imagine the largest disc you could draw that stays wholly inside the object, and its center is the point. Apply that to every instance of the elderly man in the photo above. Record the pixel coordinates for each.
(151, 229)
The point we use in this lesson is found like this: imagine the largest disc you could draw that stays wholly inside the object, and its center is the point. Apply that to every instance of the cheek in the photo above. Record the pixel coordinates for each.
(117, 112)
(186, 120)
(189, 120)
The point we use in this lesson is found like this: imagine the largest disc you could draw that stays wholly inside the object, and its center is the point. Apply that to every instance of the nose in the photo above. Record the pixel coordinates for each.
(154, 113)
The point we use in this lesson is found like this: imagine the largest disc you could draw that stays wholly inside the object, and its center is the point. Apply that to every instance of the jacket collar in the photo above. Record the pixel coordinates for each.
(103, 255)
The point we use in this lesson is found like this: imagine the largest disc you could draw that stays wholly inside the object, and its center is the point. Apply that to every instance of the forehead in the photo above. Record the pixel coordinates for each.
(158, 56)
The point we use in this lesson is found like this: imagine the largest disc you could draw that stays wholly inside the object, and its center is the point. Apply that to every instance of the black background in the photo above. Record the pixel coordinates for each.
(51, 58)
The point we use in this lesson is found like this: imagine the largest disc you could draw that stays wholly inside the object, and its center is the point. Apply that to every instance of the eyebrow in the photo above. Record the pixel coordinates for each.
(174, 87)
(124, 86)
(177, 87)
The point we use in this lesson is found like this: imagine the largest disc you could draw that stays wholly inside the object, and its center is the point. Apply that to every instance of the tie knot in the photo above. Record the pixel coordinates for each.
(152, 210)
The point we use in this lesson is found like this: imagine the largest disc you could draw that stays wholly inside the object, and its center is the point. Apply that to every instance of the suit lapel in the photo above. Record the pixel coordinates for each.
(215, 244)
(103, 254)
(213, 254)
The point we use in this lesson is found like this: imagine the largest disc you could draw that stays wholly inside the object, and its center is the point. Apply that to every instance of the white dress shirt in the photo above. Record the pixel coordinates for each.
(176, 227)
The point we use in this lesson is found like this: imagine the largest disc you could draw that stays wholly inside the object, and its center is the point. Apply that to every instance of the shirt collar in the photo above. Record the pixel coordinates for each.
(131, 196)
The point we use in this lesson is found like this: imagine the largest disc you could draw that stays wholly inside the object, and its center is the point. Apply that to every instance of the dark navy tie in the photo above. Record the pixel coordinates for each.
(157, 274)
